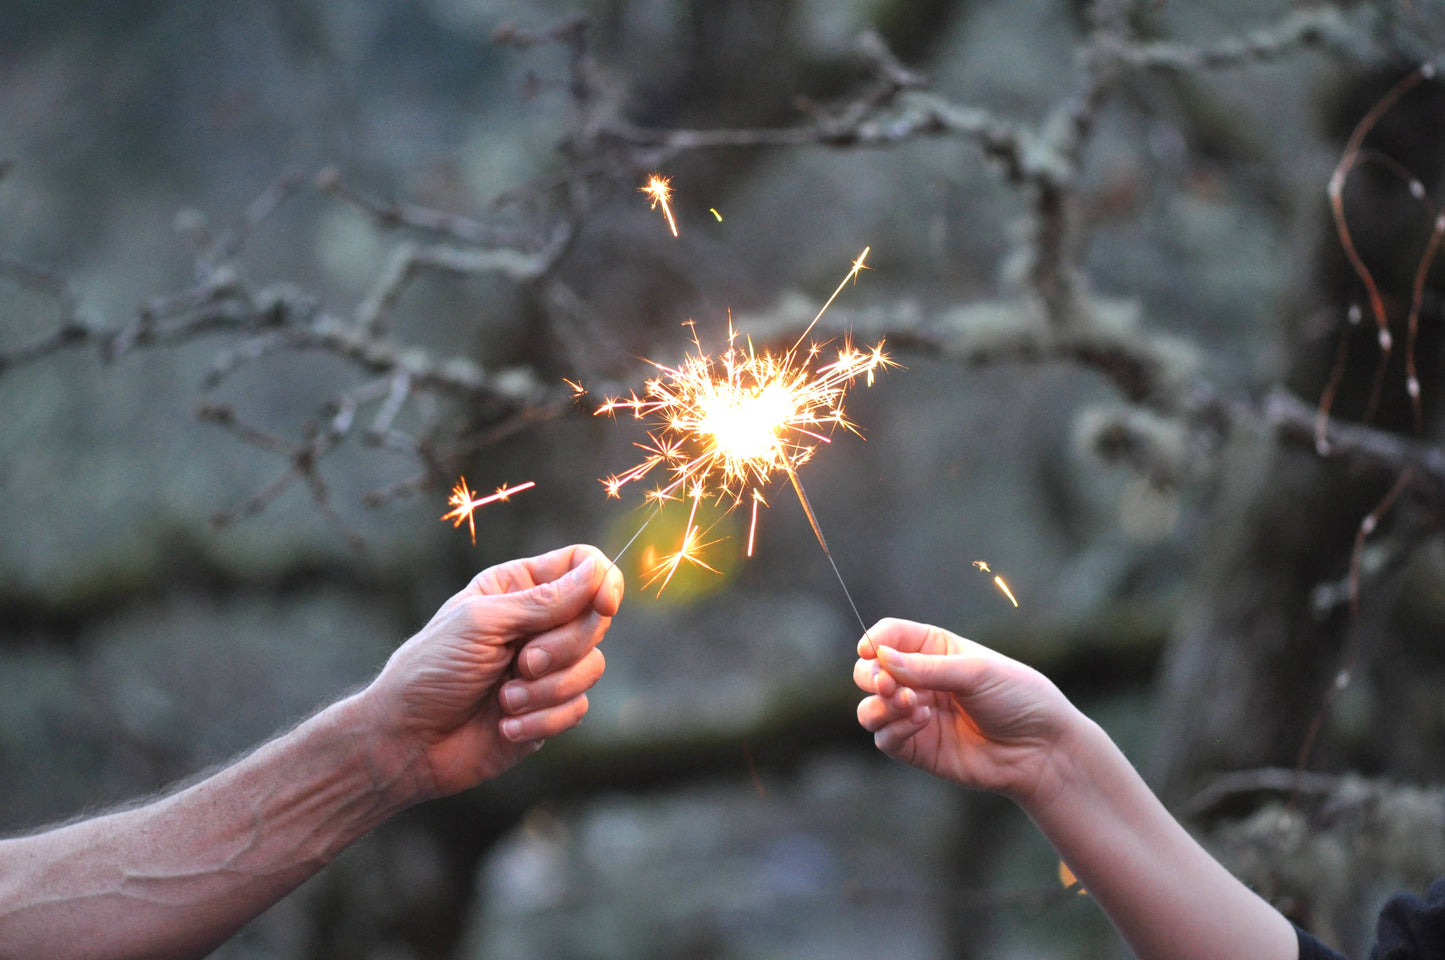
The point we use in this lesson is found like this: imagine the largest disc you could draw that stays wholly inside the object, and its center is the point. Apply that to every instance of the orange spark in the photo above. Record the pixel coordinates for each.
(725, 426)
(997, 580)
(465, 503)
(659, 188)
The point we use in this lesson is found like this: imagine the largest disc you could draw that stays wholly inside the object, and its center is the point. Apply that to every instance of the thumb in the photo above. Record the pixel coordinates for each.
(958, 674)
(553, 603)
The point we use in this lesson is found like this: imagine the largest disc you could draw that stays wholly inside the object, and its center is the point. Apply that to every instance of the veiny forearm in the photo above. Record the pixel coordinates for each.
(1164, 893)
(178, 876)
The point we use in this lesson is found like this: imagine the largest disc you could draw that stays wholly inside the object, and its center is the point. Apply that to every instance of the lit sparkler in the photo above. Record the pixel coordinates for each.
(464, 503)
(659, 188)
(997, 581)
(725, 426)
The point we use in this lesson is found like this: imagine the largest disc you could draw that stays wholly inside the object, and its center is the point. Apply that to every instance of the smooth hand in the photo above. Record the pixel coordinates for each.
(958, 709)
(502, 666)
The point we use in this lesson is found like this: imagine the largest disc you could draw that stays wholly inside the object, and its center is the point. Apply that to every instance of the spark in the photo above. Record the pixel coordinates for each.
(659, 188)
(465, 503)
(689, 552)
(982, 565)
(717, 216)
(725, 426)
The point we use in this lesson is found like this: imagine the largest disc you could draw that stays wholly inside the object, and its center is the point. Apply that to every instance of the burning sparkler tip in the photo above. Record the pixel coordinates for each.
(464, 503)
(859, 265)
(659, 188)
(724, 425)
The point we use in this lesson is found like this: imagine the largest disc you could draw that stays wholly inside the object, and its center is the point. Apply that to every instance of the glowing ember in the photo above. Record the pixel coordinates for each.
(659, 188)
(464, 503)
(997, 580)
(725, 426)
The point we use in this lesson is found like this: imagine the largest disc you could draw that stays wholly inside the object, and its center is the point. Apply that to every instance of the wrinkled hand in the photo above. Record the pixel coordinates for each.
(503, 665)
(958, 709)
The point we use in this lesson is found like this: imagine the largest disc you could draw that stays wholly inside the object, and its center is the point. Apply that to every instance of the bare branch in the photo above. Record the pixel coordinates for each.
(455, 226)
(1366, 446)
(1325, 27)
(408, 260)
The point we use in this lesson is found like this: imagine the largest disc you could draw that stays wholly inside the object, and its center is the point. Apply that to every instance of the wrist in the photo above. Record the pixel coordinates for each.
(393, 764)
(1068, 767)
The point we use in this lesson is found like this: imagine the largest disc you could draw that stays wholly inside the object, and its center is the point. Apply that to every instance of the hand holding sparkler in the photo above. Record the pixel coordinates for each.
(957, 709)
(965, 713)
(504, 664)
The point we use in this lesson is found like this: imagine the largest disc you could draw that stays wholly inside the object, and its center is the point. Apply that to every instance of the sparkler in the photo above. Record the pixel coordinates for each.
(465, 503)
(723, 427)
(997, 581)
(659, 188)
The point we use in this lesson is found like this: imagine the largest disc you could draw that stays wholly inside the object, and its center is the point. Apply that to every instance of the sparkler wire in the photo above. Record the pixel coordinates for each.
(818, 532)
(632, 539)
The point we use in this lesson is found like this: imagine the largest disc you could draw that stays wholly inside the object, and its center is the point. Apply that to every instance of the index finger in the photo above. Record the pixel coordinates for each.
(906, 635)
(515, 576)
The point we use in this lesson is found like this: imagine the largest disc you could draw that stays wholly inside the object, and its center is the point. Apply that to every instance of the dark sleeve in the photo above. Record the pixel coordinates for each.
(1312, 949)
(1412, 928)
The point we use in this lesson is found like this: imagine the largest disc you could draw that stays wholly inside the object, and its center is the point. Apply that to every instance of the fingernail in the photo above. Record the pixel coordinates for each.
(515, 696)
(537, 660)
(512, 728)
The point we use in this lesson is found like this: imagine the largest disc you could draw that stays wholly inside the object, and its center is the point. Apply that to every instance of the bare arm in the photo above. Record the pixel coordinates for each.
(503, 665)
(178, 876)
(969, 714)
(1163, 891)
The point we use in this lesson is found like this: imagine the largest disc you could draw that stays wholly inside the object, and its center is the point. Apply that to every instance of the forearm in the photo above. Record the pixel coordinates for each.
(176, 877)
(1166, 895)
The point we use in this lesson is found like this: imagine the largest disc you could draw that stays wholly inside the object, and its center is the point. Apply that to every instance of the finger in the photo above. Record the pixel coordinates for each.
(524, 573)
(524, 696)
(562, 646)
(548, 604)
(609, 596)
(541, 724)
(874, 713)
(895, 633)
(870, 677)
(893, 738)
(962, 674)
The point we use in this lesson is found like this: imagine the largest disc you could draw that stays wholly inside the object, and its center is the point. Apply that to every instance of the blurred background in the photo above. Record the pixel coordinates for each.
(1102, 250)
